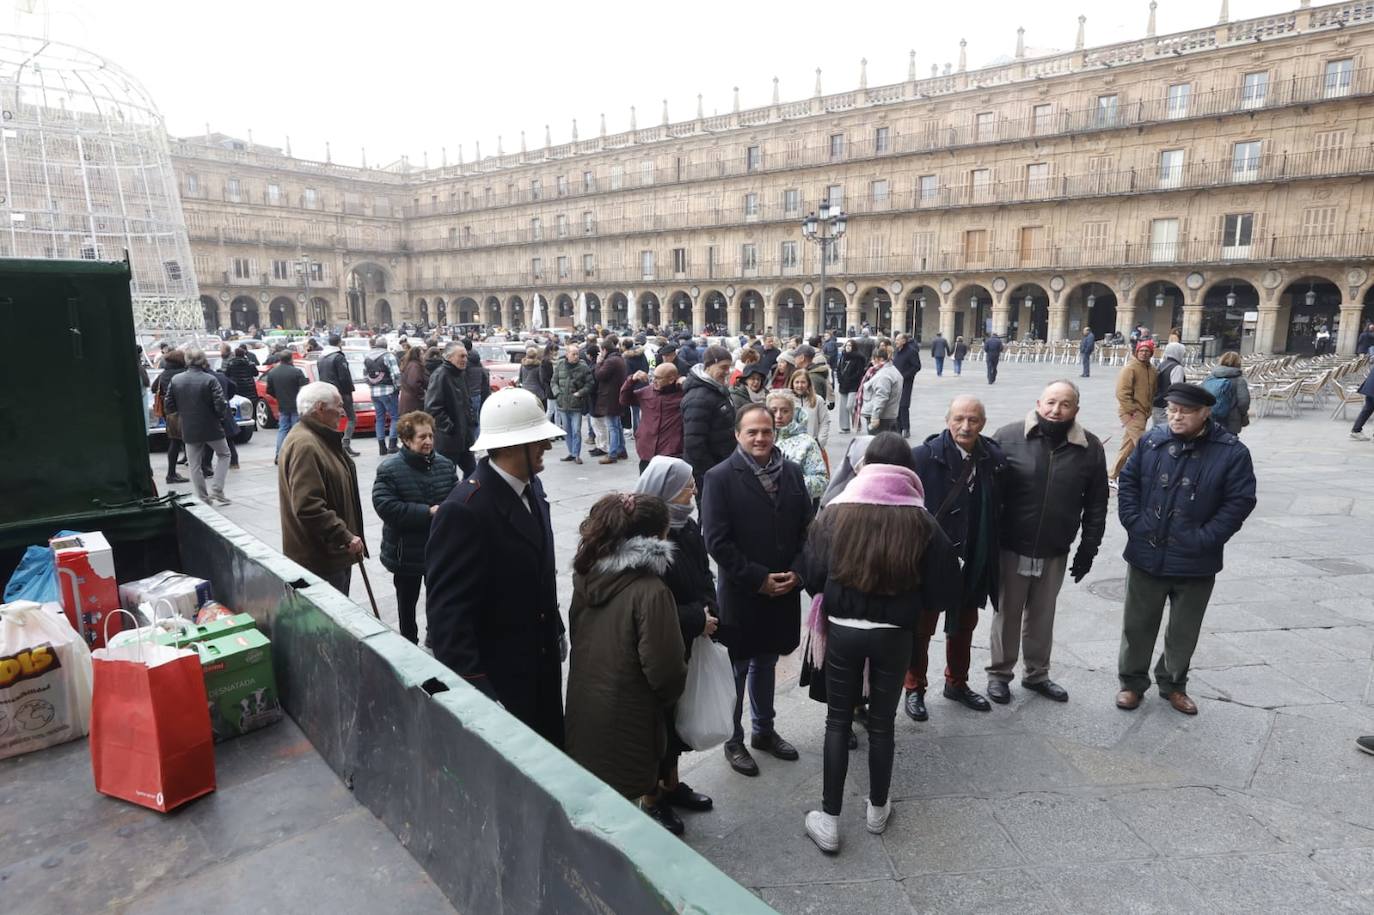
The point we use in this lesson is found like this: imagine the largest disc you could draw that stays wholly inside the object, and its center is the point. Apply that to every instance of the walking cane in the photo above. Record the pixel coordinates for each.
(368, 584)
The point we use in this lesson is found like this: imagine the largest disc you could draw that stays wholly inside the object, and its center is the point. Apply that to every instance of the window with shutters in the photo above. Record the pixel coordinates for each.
(233, 190)
(646, 172)
(1340, 75)
(679, 261)
(882, 139)
(564, 267)
(1237, 231)
(537, 267)
(1254, 89)
(202, 264)
(536, 189)
(242, 270)
(646, 264)
(193, 185)
(1245, 160)
(751, 206)
(875, 254)
(281, 270)
(617, 176)
(1176, 100)
(1094, 235)
(1319, 222)
(794, 148)
(835, 194)
(1037, 179)
(836, 146)
(927, 189)
(274, 194)
(980, 184)
(789, 255)
(588, 182)
(791, 202)
(879, 193)
(1164, 240)
(588, 223)
(1105, 114)
(562, 225)
(834, 252)
(561, 183)
(1329, 147)
(923, 250)
(930, 133)
(1170, 168)
(984, 126)
(588, 264)
(1099, 174)
(536, 228)
(311, 199)
(975, 247)
(753, 158)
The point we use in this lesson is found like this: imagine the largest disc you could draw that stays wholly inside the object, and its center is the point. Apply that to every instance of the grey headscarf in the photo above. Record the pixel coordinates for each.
(666, 477)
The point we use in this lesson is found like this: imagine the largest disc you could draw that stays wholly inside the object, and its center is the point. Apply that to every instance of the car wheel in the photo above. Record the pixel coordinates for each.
(265, 418)
(244, 436)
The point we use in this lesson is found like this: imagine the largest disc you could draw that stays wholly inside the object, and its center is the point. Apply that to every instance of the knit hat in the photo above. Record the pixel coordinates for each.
(1145, 344)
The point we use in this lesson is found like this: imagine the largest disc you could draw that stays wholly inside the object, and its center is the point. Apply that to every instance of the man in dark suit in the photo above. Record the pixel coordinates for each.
(492, 603)
(755, 512)
(961, 472)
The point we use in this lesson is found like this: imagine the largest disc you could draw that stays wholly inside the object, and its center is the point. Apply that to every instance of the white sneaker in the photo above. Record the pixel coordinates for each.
(824, 830)
(878, 817)
(1359, 436)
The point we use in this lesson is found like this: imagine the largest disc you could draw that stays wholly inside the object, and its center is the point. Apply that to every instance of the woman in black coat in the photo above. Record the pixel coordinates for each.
(406, 493)
(851, 376)
(694, 589)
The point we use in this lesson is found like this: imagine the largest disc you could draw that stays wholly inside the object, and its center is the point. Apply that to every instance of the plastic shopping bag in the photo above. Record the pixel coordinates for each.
(150, 726)
(706, 711)
(45, 679)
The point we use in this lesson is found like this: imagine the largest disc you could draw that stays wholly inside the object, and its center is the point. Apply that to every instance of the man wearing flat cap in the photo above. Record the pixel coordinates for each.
(1184, 492)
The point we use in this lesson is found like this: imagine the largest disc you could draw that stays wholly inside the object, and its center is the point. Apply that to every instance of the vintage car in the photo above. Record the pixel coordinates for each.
(362, 397)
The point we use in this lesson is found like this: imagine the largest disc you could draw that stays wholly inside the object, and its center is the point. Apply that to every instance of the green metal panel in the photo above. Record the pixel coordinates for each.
(72, 434)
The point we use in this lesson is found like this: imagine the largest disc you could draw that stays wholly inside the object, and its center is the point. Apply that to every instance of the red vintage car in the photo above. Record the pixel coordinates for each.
(362, 397)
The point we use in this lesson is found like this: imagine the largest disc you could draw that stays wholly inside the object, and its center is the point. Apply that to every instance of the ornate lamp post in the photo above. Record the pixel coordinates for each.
(825, 228)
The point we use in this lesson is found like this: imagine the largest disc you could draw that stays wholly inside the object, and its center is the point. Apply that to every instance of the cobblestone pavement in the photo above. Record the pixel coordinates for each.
(1261, 802)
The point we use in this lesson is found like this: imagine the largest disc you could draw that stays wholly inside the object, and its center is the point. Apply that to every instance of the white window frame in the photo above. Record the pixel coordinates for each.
(1170, 174)
(1254, 89)
(1164, 236)
(788, 255)
(1246, 156)
(1338, 82)
(1176, 101)
(1237, 235)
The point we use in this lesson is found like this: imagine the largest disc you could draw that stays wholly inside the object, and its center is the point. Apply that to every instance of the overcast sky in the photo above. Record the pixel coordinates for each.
(409, 77)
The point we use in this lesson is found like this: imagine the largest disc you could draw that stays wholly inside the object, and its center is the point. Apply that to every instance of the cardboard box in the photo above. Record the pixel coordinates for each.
(212, 630)
(86, 577)
(167, 593)
(239, 684)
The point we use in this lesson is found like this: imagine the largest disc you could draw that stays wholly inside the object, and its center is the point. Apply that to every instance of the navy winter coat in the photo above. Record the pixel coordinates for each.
(1180, 501)
(407, 484)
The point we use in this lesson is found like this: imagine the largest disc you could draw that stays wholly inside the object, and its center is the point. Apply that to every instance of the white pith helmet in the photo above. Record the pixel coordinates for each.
(512, 416)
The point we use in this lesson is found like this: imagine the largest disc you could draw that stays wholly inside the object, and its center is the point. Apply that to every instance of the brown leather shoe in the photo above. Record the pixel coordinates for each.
(1182, 703)
(1128, 699)
(607, 460)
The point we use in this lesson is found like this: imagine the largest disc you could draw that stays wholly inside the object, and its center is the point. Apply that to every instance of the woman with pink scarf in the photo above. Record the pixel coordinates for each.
(877, 559)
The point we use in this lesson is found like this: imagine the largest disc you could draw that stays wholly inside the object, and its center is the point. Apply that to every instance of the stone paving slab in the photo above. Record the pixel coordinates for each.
(1260, 803)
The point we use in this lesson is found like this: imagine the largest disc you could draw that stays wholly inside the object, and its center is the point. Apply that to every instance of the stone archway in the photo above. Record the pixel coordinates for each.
(834, 308)
(1093, 305)
(319, 310)
(1223, 314)
(209, 308)
(468, 310)
(1308, 307)
(971, 310)
(620, 310)
(649, 310)
(751, 311)
(515, 306)
(1028, 307)
(384, 312)
(243, 313)
(1159, 306)
(493, 312)
(423, 305)
(365, 281)
(717, 315)
(680, 310)
(791, 311)
(875, 309)
(282, 312)
(593, 310)
(563, 307)
(922, 312)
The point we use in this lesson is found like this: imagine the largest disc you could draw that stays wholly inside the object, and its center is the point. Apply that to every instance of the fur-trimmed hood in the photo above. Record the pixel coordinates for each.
(632, 560)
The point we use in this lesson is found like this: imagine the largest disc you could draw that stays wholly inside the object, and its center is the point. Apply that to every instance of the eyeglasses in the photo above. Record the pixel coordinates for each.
(1174, 409)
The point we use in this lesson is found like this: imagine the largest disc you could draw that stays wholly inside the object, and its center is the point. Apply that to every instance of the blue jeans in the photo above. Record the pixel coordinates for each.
(758, 672)
(385, 405)
(958, 366)
(1087, 364)
(571, 421)
(476, 414)
(616, 433)
(939, 365)
(285, 422)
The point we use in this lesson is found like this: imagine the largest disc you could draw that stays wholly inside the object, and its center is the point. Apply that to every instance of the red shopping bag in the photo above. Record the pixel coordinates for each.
(150, 725)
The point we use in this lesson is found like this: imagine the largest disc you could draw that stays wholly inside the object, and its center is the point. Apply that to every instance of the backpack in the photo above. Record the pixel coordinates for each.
(378, 372)
(1164, 380)
(1224, 390)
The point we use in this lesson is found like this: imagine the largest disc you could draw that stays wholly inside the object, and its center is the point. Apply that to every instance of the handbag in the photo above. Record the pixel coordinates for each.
(705, 715)
(150, 725)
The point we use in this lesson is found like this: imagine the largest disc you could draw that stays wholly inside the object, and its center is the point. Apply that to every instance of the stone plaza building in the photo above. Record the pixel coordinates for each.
(1215, 180)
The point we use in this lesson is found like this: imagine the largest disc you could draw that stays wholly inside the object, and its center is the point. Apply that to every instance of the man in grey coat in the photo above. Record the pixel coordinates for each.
(196, 396)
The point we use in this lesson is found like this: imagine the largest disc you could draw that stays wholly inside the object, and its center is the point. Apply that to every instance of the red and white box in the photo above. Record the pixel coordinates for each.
(86, 578)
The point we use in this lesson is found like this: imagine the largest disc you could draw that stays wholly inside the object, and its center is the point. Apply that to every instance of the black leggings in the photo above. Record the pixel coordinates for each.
(174, 447)
(887, 652)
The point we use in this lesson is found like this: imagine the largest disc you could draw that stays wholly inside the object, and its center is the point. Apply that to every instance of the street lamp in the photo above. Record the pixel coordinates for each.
(1311, 297)
(303, 271)
(1159, 297)
(824, 230)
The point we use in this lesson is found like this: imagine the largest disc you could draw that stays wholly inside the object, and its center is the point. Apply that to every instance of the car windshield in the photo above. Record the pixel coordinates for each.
(356, 368)
(489, 353)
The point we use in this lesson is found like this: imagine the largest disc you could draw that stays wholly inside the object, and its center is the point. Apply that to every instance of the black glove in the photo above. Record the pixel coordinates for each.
(1082, 565)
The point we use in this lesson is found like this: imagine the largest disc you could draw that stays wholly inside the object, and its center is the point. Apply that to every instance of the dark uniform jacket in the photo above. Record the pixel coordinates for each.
(1180, 501)
(749, 536)
(992, 349)
(972, 518)
(407, 484)
(492, 597)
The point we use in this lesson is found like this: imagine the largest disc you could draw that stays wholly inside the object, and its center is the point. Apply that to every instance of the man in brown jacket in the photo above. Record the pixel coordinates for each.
(317, 490)
(1135, 394)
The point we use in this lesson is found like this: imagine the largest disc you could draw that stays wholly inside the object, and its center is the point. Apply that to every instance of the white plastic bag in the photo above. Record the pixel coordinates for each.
(706, 711)
(45, 679)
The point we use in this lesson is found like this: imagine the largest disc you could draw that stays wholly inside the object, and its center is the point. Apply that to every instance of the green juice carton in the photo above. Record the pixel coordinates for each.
(239, 684)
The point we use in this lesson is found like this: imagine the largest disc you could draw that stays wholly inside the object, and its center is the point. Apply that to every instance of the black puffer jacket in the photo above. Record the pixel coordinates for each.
(243, 374)
(1050, 491)
(708, 423)
(689, 578)
(406, 485)
(851, 370)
